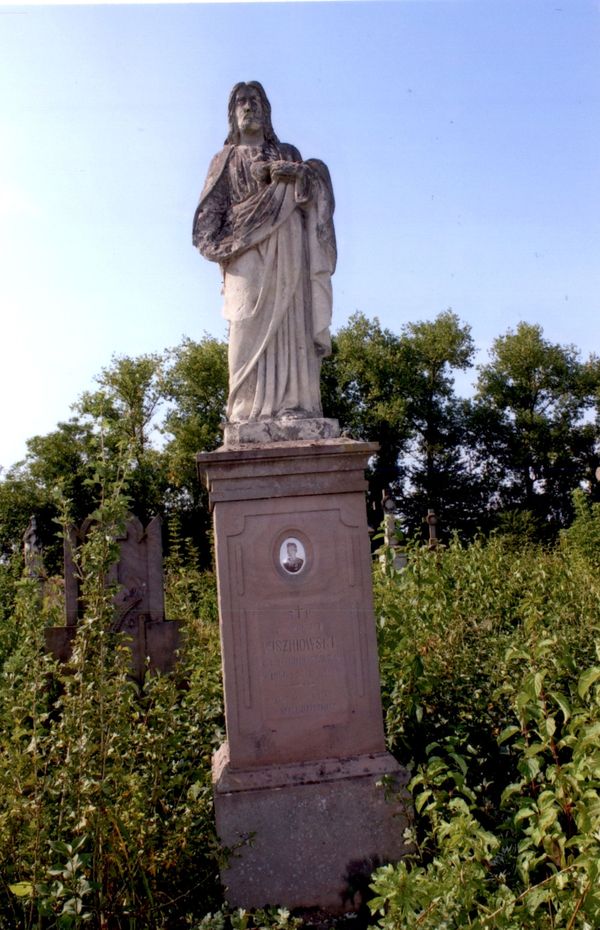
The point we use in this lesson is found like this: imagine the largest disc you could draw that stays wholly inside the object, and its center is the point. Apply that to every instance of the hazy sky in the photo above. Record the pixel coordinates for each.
(462, 137)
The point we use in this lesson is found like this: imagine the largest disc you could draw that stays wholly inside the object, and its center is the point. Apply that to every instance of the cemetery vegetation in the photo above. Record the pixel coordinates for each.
(490, 673)
(490, 662)
(489, 645)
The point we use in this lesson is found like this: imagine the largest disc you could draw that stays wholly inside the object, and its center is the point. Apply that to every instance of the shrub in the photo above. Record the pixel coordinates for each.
(491, 694)
(105, 794)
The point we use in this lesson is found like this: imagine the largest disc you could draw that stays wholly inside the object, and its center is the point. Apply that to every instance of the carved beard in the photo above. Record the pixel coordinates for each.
(250, 123)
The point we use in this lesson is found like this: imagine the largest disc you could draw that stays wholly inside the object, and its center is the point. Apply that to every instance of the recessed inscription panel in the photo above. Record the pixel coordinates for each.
(297, 683)
(302, 690)
(303, 667)
(282, 553)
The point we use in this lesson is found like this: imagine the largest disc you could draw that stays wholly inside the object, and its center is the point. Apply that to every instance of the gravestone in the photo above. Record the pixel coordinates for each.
(138, 603)
(399, 558)
(298, 783)
(432, 521)
(305, 754)
(33, 556)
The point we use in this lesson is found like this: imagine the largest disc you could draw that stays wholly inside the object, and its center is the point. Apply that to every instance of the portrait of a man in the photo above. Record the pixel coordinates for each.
(294, 558)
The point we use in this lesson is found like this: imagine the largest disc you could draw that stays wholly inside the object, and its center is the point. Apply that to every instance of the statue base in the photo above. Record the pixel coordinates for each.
(284, 429)
(309, 834)
(298, 799)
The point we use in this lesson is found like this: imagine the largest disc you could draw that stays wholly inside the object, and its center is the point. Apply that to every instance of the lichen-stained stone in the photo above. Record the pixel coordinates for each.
(305, 749)
(266, 216)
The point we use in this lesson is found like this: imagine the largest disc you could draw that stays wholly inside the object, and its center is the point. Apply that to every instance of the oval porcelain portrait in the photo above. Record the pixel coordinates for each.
(292, 556)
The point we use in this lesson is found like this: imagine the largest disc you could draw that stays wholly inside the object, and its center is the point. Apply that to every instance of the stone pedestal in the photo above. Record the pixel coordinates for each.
(305, 753)
(282, 430)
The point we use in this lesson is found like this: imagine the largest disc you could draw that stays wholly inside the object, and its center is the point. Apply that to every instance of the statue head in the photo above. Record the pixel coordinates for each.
(233, 137)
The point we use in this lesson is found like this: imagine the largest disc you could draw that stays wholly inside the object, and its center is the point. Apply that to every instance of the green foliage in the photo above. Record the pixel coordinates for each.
(539, 869)
(105, 796)
(397, 390)
(10, 574)
(195, 386)
(582, 537)
(241, 919)
(524, 444)
(121, 415)
(517, 528)
(491, 676)
(437, 477)
(491, 685)
(180, 394)
(365, 386)
(22, 496)
(195, 382)
(529, 422)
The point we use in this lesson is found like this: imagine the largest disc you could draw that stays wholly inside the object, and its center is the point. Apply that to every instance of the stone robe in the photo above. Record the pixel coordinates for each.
(275, 243)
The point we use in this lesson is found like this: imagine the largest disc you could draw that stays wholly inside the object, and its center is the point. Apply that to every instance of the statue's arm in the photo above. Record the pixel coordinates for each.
(212, 220)
(291, 167)
(311, 177)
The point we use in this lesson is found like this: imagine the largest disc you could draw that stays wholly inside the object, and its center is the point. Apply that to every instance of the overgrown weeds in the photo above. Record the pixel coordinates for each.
(105, 799)
(491, 690)
(491, 664)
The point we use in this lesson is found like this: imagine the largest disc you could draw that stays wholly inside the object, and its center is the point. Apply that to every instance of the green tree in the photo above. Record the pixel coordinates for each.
(529, 424)
(20, 498)
(438, 476)
(58, 465)
(123, 416)
(365, 384)
(114, 422)
(195, 381)
(398, 390)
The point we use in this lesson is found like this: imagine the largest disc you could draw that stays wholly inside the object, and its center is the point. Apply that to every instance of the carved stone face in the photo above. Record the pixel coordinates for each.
(248, 110)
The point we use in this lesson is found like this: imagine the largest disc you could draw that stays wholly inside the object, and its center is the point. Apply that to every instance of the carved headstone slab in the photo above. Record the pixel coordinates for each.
(138, 602)
(32, 551)
(138, 573)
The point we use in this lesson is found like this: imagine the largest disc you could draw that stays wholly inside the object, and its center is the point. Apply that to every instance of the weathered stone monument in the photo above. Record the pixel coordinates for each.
(298, 793)
(139, 609)
(399, 558)
(33, 556)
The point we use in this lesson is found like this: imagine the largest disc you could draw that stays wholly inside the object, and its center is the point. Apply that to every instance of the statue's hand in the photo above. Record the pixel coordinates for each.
(261, 171)
(287, 170)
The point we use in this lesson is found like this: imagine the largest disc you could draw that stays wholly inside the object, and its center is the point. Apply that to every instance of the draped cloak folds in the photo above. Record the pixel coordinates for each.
(275, 243)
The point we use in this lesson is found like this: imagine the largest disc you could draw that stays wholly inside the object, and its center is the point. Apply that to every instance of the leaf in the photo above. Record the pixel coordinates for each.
(524, 813)
(562, 703)
(421, 800)
(459, 761)
(507, 732)
(587, 679)
(508, 793)
(536, 896)
(22, 889)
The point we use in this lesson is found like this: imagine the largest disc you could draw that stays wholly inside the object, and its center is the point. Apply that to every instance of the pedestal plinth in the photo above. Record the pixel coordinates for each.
(305, 751)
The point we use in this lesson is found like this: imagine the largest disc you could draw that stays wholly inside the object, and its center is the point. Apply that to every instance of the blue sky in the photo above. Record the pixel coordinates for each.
(462, 138)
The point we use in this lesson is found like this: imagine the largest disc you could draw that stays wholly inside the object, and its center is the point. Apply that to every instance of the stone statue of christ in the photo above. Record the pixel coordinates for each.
(266, 216)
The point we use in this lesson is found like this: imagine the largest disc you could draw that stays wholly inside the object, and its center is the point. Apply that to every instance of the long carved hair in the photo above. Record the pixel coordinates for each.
(234, 134)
